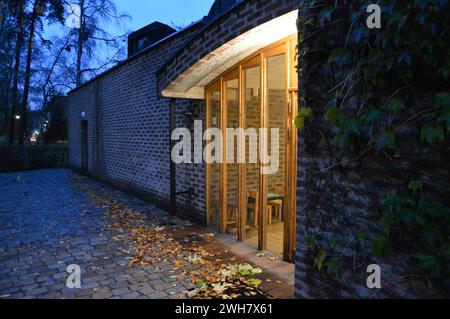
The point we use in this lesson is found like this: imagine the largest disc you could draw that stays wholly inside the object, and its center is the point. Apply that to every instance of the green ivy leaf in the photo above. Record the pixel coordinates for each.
(372, 115)
(361, 237)
(333, 115)
(446, 249)
(351, 128)
(386, 222)
(429, 264)
(385, 139)
(299, 122)
(332, 103)
(396, 105)
(340, 56)
(200, 285)
(382, 246)
(325, 15)
(405, 57)
(415, 186)
(305, 112)
(320, 258)
(444, 119)
(312, 243)
(432, 134)
(334, 267)
(442, 100)
(254, 282)
(445, 72)
(334, 243)
(359, 34)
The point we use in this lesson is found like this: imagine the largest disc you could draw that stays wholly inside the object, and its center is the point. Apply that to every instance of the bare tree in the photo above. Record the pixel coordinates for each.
(28, 76)
(7, 42)
(91, 34)
(52, 10)
(19, 10)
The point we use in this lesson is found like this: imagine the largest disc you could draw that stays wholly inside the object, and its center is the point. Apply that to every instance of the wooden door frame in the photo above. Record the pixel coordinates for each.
(281, 49)
(229, 76)
(215, 87)
(255, 61)
(286, 46)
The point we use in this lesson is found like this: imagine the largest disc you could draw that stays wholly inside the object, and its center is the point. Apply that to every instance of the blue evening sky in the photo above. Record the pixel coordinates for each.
(179, 12)
(144, 12)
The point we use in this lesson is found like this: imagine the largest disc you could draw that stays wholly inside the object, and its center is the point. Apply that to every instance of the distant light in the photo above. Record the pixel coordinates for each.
(37, 132)
(83, 115)
(17, 117)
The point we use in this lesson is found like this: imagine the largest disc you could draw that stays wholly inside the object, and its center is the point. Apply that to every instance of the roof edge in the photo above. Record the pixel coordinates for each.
(199, 32)
(136, 55)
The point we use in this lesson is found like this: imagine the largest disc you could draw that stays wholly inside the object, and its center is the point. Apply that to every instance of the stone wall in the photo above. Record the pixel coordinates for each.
(338, 202)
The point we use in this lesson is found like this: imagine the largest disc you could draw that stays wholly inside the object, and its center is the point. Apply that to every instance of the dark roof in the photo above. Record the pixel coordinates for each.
(220, 6)
(156, 27)
(145, 37)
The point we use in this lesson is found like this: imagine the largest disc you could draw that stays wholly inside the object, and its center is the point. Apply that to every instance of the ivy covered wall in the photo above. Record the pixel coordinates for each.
(374, 149)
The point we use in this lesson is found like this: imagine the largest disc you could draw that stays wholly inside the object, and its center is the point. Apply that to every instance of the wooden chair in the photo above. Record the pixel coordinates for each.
(254, 206)
(277, 204)
(232, 211)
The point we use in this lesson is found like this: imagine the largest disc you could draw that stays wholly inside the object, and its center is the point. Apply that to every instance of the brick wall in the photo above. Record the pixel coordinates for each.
(128, 131)
(191, 177)
(245, 16)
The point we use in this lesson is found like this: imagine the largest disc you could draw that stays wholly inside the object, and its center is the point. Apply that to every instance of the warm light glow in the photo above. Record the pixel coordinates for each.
(191, 84)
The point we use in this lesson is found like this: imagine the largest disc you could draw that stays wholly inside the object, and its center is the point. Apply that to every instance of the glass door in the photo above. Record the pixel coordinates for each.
(276, 96)
(213, 173)
(231, 175)
(251, 113)
(259, 97)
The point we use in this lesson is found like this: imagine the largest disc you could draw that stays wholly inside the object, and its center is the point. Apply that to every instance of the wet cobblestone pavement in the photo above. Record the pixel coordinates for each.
(48, 222)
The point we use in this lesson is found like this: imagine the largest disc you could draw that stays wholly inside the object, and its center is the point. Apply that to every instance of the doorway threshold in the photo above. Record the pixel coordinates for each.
(272, 265)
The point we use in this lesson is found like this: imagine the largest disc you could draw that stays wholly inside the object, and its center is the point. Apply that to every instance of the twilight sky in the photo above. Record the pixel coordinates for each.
(142, 13)
(179, 12)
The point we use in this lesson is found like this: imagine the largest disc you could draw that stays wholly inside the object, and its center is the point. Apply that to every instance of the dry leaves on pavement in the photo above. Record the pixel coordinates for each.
(152, 244)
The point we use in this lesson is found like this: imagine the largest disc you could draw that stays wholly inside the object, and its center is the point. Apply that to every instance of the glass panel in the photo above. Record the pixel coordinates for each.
(232, 105)
(277, 113)
(252, 105)
(214, 200)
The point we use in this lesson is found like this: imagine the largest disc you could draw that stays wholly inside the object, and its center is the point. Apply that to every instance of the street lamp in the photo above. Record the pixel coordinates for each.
(17, 117)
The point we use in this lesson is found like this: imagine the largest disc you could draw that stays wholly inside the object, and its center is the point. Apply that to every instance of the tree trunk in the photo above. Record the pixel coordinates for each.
(2, 19)
(15, 93)
(80, 45)
(5, 102)
(26, 87)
